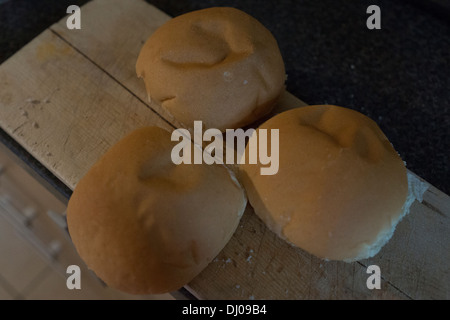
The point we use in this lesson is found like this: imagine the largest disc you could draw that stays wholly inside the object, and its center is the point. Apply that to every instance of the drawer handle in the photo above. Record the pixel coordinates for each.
(25, 216)
(54, 248)
(18, 220)
(57, 218)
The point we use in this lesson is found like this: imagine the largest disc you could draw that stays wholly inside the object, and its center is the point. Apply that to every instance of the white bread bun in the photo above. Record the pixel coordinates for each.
(145, 225)
(340, 189)
(218, 65)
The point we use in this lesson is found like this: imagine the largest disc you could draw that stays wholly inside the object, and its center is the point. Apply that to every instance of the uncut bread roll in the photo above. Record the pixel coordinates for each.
(340, 189)
(218, 65)
(145, 225)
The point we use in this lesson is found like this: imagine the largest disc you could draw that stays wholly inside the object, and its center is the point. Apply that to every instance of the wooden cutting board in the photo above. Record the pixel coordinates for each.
(69, 95)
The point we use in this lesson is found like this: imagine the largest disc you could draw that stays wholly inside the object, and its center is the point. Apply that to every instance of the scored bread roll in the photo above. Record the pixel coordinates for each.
(218, 65)
(145, 225)
(340, 189)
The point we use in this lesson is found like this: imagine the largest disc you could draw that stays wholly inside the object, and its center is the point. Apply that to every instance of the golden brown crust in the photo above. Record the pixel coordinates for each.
(217, 65)
(339, 186)
(145, 225)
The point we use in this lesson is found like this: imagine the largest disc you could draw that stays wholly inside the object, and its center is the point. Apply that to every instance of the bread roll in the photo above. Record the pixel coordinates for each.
(340, 189)
(145, 225)
(217, 65)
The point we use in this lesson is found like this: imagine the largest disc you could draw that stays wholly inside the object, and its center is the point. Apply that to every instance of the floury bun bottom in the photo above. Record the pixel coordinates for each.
(341, 187)
(145, 225)
(219, 65)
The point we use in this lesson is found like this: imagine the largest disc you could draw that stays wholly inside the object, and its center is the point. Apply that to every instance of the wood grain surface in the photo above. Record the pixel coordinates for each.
(69, 95)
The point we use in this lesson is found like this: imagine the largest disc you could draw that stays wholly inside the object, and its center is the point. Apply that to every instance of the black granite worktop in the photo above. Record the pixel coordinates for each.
(398, 75)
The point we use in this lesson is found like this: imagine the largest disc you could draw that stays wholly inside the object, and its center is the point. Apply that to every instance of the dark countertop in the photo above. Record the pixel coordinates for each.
(399, 75)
